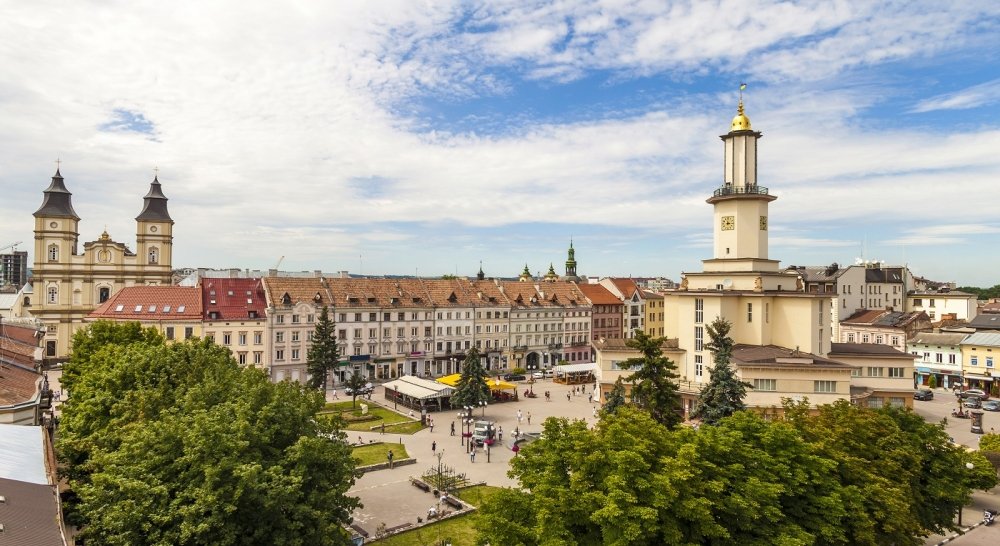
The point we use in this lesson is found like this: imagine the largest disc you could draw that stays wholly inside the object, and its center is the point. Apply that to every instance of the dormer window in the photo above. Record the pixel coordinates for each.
(138, 309)
(180, 309)
(317, 298)
(119, 308)
(286, 299)
(371, 300)
(154, 255)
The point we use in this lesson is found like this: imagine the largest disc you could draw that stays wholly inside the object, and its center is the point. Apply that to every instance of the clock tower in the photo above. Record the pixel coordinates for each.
(154, 236)
(740, 231)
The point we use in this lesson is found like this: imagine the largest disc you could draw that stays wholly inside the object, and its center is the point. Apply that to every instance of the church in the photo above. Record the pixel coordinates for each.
(69, 281)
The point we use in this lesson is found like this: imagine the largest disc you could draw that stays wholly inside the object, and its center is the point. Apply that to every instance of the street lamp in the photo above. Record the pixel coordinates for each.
(969, 466)
(483, 403)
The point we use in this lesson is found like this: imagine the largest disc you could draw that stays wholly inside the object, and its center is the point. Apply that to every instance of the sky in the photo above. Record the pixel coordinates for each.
(427, 137)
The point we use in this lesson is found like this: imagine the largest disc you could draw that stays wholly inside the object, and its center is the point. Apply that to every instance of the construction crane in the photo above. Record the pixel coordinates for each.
(277, 265)
(12, 246)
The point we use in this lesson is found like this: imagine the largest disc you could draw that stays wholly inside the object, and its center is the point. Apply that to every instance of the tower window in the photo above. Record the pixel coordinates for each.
(53, 294)
(53, 253)
(103, 294)
(154, 255)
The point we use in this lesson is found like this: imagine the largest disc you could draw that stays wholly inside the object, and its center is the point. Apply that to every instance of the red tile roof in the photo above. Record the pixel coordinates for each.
(598, 295)
(233, 299)
(151, 304)
(626, 286)
(17, 384)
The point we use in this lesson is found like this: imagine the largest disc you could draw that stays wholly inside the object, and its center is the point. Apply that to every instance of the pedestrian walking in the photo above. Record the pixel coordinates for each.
(595, 411)
(453, 428)
(472, 454)
(567, 397)
(529, 417)
(434, 447)
(518, 416)
(432, 425)
(390, 456)
(500, 434)
(383, 427)
(590, 398)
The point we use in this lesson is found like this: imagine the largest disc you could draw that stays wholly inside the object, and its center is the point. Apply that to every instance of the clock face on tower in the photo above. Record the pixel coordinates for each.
(728, 223)
(763, 223)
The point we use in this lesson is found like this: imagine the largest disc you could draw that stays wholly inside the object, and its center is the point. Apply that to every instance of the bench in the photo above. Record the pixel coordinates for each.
(359, 530)
(453, 502)
(396, 529)
(420, 485)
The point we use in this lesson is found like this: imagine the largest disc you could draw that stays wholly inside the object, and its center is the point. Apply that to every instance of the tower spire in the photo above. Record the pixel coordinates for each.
(58, 202)
(154, 206)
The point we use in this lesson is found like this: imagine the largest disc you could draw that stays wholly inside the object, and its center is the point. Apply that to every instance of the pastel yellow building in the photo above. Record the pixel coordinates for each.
(69, 283)
(980, 361)
(654, 313)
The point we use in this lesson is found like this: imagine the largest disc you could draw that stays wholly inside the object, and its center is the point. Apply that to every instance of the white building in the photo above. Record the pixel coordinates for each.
(938, 355)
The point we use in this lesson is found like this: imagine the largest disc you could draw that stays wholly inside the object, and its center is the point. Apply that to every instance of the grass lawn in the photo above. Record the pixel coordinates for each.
(380, 414)
(376, 453)
(458, 530)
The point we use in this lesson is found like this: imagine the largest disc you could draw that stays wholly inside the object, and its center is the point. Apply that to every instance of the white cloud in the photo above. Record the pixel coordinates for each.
(971, 97)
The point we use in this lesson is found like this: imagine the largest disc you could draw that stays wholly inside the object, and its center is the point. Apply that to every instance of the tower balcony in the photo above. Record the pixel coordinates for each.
(729, 189)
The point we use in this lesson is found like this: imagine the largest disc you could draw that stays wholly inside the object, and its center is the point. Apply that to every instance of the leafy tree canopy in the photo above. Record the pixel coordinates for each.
(982, 293)
(472, 388)
(355, 382)
(653, 386)
(177, 444)
(845, 476)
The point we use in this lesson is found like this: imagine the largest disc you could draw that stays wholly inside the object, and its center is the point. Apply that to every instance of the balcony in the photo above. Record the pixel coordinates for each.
(555, 345)
(741, 190)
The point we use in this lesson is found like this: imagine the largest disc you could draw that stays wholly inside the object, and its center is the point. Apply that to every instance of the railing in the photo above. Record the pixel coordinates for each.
(555, 345)
(740, 190)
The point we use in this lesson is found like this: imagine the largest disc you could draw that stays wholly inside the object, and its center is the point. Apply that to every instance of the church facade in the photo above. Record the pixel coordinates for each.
(70, 280)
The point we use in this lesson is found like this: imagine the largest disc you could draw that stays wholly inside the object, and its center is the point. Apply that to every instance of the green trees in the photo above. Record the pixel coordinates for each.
(179, 445)
(323, 354)
(653, 388)
(615, 398)
(843, 477)
(355, 382)
(472, 389)
(723, 395)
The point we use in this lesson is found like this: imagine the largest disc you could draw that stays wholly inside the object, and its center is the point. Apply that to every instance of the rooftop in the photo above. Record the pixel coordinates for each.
(233, 299)
(151, 303)
(774, 356)
(867, 349)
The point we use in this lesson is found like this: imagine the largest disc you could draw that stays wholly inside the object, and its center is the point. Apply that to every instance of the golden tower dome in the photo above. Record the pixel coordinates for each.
(741, 122)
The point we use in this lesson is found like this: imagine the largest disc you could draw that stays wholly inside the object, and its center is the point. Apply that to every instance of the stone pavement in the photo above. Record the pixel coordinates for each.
(388, 495)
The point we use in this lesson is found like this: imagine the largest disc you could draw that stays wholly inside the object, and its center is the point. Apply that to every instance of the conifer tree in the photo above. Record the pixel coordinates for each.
(723, 395)
(472, 389)
(653, 387)
(323, 354)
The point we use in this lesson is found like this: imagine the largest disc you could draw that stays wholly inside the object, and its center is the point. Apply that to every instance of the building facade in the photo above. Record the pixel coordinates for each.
(883, 327)
(174, 311)
(980, 359)
(941, 302)
(72, 281)
(938, 355)
(234, 316)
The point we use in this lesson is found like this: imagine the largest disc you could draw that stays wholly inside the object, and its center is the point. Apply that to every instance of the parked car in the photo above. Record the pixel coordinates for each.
(483, 432)
(513, 377)
(923, 394)
(363, 391)
(978, 393)
(538, 375)
(973, 402)
(548, 373)
(991, 405)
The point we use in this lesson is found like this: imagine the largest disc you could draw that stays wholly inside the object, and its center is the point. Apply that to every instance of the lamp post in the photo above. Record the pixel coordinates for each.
(483, 403)
(969, 466)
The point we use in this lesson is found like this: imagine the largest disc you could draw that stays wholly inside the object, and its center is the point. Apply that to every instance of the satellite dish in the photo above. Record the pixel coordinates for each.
(727, 283)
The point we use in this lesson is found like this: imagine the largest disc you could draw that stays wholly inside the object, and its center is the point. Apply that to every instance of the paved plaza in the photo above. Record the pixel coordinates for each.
(390, 498)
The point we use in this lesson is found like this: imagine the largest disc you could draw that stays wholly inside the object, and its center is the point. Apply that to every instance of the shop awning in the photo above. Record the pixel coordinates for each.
(575, 368)
(420, 389)
(495, 384)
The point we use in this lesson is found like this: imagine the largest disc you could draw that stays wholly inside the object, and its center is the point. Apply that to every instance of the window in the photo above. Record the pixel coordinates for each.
(295, 354)
(279, 354)
(875, 371)
(897, 402)
(154, 255)
(243, 338)
(295, 319)
(342, 334)
(310, 318)
(850, 337)
(400, 316)
(917, 302)
(699, 310)
(50, 348)
(824, 386)
(188, 332)
(855, 372)
(770, 385)
(241, 358)
(170, 332)
(951, 358)
(939, 358)
(357, 333)
(103, 294)
(896, 373)
(342, 317)
(865, 338)
(895, 340)
(53, 294)
(749, 312)
(372, 333)
(279, 319)
(974, 361)
(295, 336)
(699, 366)
(767, 313)
(279, 337)
(258, 357)
(699, 338)
(227, 338)
(989, 362)
(875, 403)
(210, 337)
(357, 317)
(258, 338)
(932, 302)
(53, 253)
(386, 317)
(372, 317)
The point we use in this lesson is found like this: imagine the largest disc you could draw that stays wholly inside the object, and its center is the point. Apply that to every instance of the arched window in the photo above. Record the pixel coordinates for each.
(27, 301)
(53, 253)
(53, 294)
(154, 255)
(103, 294)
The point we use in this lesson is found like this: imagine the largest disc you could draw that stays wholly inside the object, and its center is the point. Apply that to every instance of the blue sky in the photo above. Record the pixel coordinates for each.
(409, 137)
